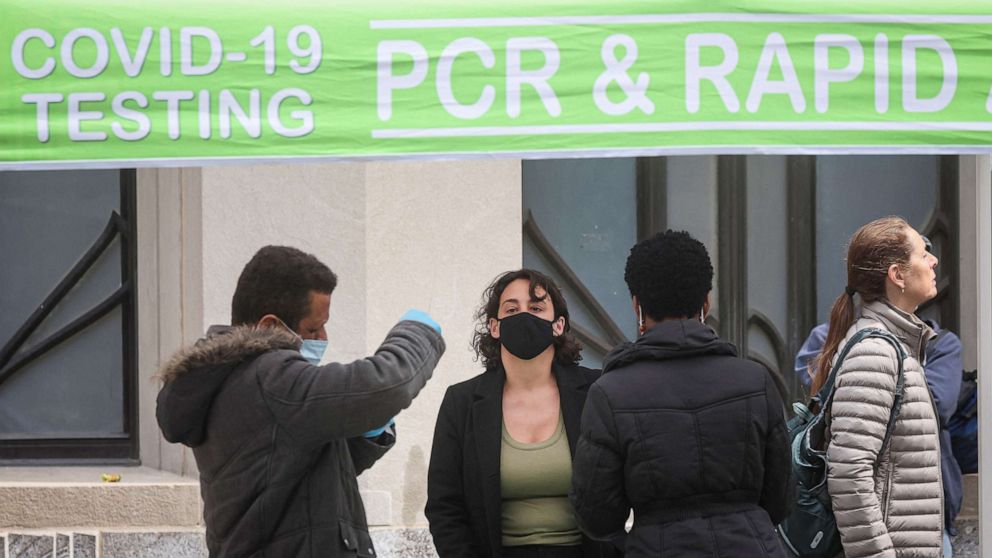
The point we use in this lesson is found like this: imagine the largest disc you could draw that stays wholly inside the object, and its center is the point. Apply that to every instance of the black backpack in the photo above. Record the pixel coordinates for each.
(811, 530)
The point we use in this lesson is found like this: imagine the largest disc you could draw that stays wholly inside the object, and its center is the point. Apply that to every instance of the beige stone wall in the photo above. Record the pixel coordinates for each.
(437, 234)
(319, 209)
(170, 295)
(399, 236)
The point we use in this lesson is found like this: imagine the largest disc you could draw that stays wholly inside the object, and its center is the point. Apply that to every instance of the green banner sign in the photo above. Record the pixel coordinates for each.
(113, 83)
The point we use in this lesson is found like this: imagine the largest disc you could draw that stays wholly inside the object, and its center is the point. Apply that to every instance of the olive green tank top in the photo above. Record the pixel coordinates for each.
(535, 479)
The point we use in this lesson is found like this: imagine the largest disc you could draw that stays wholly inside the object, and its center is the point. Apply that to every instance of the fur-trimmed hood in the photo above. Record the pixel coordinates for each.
(195, 374)
(225, 345)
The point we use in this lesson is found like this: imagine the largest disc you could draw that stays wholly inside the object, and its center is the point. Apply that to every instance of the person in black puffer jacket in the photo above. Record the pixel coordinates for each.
(678, 428)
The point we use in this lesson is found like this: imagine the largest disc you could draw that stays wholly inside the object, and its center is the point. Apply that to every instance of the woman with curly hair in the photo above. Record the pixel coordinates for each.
(678, 428)
(501, 463)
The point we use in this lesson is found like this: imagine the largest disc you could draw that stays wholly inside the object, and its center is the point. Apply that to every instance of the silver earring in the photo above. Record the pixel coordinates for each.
(702, 316)
(903, 289)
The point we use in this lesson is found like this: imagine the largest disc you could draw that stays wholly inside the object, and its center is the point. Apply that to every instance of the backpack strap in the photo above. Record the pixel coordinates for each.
(826, 392)
(899, 394)
(825, 395)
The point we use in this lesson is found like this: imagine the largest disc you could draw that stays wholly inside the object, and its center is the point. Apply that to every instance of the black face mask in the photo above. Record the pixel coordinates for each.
(525, 335)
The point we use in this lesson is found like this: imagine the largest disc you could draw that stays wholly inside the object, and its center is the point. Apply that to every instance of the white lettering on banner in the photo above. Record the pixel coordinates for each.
(911, 102)
(823, 75)
(42, 100)
(139, 118)
(17, 53)
(386, 82)
(85, 53)
(78, 116)
(303, 41)
(165, 51)
(172, 100)
(67, 52)
(186, 35)
(717, 75)
(305, 117)
(203, 116)
(516, 77)
(775, 49)
(251, 120)
(538, 79)
(126, 105)
(616, 71)
(444, 67)
(132, 64)
(267, 40)
(470, 66)
(314, 50)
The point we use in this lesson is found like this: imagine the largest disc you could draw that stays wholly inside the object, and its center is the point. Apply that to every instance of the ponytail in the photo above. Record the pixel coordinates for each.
(873, 248)
(841, 318)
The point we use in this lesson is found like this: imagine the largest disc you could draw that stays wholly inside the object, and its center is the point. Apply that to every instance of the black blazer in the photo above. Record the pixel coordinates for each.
(463, 481)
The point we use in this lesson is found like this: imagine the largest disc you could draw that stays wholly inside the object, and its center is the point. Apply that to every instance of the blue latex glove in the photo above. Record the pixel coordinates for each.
(422, 317)
(378, 431)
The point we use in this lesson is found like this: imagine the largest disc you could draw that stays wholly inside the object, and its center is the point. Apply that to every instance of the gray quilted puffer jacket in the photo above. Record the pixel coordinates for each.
(898, 509)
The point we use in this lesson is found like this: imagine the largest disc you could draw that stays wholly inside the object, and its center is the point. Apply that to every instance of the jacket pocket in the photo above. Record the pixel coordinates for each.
(356, 539)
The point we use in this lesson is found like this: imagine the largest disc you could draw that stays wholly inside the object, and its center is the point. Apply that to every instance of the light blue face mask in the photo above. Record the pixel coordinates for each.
(313, 350)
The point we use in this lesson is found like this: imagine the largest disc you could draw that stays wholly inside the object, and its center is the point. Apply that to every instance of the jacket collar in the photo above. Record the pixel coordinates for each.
(907, 327)
(668, 340)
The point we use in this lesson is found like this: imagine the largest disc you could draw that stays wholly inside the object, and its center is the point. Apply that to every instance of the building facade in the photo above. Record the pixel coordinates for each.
(107, 273)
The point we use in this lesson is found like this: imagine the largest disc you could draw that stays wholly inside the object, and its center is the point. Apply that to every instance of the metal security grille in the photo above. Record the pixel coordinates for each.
(66, 434)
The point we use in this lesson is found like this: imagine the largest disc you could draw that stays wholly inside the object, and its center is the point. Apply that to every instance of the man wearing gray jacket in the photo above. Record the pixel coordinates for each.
(279, 439)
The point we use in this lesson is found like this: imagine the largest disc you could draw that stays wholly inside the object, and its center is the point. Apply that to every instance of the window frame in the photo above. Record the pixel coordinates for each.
(120, 449)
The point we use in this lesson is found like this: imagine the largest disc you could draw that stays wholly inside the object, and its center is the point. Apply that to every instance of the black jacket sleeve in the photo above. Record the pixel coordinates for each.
(778, 487)
(366, 451)
(598, 495)
(446, 508)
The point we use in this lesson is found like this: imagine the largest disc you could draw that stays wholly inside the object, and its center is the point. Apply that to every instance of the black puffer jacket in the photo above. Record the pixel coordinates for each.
(278, 440)
(693, 439)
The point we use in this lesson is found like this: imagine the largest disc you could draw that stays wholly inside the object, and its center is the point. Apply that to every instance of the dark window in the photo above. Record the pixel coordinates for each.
(776, 228)
(67, 330)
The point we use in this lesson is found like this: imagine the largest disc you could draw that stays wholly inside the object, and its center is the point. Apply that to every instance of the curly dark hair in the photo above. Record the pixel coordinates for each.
(567, 348)
(278, 280)
(670, 274)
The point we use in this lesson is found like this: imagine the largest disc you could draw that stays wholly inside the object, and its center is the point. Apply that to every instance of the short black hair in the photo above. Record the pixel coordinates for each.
(278, 280)
(670, 274)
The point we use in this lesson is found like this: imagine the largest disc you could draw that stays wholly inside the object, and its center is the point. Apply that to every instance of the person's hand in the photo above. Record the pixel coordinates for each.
(414, 315)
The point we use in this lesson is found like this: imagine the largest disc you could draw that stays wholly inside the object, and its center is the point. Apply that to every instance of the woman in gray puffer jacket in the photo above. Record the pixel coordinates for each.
(896, 509)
